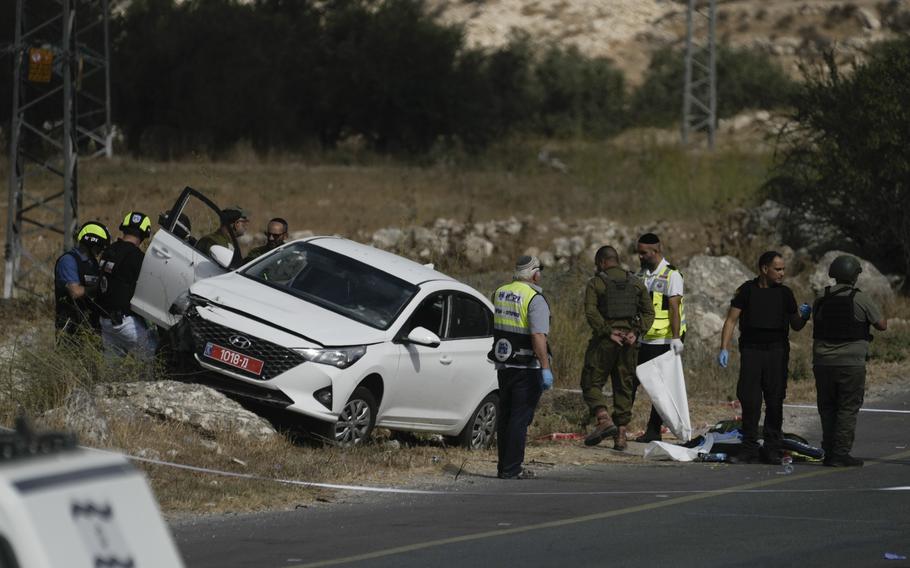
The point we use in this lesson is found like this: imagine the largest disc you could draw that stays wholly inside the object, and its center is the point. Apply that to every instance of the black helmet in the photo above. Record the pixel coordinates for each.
(93, 235)
(845, 268)
(137, 223)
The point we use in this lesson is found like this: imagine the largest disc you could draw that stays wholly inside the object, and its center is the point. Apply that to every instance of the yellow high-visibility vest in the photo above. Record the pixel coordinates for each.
(660, 329)
(511, 326)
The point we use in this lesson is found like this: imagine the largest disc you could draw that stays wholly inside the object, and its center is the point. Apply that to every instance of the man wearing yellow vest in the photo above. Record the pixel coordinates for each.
(665, 286)
(520, 352)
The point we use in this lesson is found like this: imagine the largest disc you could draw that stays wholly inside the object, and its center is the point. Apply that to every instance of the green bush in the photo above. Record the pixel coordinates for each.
(847, 161)
(579, 96)
(745, 79)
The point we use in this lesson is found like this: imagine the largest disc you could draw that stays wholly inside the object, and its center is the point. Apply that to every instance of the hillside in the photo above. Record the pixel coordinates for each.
(628, 31)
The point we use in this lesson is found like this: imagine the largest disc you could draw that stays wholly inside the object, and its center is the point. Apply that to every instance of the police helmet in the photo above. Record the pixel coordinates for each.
(845, 268)
(94, 235)
(137, 224)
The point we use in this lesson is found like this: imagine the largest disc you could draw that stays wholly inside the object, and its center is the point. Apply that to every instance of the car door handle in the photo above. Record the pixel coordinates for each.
(446, 360)
(161, 252)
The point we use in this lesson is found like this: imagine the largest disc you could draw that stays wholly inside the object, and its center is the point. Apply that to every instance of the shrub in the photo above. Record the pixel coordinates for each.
(579, 96)
(846, 159)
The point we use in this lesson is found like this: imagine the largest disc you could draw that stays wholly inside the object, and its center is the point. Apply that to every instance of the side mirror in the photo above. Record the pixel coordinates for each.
(423, 336)
(221, 255)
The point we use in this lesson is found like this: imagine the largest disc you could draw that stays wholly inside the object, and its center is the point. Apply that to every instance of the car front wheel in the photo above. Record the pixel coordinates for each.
(356, 420)
(480, 431)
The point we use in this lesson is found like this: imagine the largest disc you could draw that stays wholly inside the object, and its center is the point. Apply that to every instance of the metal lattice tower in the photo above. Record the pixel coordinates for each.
(700, 91)
(61, 108)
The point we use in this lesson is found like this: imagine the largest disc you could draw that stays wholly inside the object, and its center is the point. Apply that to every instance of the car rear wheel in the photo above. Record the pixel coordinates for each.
(357, 418)
(480, 431)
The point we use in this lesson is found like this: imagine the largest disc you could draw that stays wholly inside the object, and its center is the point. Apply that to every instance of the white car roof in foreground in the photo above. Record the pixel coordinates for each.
(408, 270)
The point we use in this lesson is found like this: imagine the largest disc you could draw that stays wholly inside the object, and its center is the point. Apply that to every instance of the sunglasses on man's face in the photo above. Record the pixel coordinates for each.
(273, 236)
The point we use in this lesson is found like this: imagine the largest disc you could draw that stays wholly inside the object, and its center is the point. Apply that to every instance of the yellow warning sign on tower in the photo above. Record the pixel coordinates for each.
(40, 65)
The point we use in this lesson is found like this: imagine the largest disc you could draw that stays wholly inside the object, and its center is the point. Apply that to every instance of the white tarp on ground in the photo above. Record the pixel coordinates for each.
(663, 378)
(658, 450)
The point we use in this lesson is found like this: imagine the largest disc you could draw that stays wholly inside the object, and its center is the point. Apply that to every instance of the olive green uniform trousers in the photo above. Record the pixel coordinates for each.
(840, 395)
(603, 359)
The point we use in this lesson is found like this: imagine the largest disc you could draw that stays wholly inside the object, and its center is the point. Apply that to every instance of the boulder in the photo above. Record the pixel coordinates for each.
(81, 415)
(477, 249)
(710, 282)
(200, 407)
(868, 19)
(704, 318)
(870, 280)
(388, 238)
(715, 277)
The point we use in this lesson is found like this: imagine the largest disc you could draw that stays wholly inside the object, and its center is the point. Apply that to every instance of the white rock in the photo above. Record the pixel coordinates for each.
(562, 247)
(547, 258)
(868, 19)
(715, 277)
(477, 249)
(388, 238)
(577, 245)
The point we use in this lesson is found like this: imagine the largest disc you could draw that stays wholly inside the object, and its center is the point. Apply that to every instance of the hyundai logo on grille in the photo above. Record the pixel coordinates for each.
(240, 341)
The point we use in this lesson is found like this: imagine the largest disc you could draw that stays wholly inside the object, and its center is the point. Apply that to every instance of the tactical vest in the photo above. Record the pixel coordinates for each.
(620, 299)
(660, 329)
(115, 290)
(511, 327)
(835, 318)
(765, 309)
(70, 314)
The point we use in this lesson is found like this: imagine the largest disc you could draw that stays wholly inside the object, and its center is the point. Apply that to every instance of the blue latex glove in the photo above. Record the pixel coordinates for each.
(546, 379)
(805, 310)
(724, 358)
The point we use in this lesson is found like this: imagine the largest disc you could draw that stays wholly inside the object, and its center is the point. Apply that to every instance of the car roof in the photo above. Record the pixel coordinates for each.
(399, 266)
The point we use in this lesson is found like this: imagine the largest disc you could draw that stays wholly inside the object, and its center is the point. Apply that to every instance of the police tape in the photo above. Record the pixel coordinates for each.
(432, 492)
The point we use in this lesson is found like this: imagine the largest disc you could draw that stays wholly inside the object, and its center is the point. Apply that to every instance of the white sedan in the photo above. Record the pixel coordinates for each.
(341, 332)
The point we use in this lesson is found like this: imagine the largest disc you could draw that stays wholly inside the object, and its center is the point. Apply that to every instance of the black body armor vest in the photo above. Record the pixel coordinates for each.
(835, 319)
(70, 314)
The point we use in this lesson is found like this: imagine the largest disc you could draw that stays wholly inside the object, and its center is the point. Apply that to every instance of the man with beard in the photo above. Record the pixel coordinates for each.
(766, 311)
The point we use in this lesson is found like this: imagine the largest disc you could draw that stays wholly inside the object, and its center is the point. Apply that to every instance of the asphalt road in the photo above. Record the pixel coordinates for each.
(618, 514)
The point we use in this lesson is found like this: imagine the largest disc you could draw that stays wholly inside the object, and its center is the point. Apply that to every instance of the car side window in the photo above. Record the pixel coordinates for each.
(429, 315)
(469, 318)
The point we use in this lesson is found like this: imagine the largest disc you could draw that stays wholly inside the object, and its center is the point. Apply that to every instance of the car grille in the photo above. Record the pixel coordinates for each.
(276, 359)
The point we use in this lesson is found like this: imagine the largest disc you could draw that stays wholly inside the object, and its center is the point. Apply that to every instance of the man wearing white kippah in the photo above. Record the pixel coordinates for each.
(521, 323)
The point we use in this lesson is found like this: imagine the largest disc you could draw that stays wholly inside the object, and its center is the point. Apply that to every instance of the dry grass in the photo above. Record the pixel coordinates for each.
(353, 195)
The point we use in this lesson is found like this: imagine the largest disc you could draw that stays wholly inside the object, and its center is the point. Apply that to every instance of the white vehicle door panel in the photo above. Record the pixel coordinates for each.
(172, 264)
(169, 268)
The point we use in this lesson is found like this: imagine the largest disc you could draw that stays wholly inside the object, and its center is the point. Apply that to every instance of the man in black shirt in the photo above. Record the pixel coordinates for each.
(123, 332)
(766, 311)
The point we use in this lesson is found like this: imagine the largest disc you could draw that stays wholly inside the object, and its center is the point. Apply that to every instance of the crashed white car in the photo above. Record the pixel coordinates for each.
(344, 333)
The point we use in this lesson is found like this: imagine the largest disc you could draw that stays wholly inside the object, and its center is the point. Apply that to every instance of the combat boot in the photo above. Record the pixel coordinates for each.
(619, 440)
(842, 460)
(604, 429)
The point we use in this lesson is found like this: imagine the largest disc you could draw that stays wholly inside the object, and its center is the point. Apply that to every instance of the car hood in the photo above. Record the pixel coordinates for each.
(280, 309)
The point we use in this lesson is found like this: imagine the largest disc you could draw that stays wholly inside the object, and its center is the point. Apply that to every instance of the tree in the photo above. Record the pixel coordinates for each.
(847, 160)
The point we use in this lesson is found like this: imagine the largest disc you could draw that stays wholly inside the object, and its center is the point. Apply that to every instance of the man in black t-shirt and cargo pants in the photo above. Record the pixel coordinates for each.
(766, 311)
(122, 331)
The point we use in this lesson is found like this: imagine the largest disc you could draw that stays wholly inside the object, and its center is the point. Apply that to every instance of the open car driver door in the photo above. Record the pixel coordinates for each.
(172, 262)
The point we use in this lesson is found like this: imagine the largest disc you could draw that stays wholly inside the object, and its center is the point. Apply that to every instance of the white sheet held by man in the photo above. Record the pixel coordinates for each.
(663, 379)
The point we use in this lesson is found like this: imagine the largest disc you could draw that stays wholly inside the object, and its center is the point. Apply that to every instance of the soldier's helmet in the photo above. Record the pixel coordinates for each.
(845, 268)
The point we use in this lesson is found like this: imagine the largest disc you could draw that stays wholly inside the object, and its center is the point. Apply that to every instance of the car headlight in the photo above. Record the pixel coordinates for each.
(341, 357)
(181, 304)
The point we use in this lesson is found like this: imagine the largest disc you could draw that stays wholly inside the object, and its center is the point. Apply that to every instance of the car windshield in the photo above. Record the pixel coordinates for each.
(335, 282)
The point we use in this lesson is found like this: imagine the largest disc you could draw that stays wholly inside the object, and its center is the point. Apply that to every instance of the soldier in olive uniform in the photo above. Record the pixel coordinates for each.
(233, 220)
(843, 315)
(618, 309)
